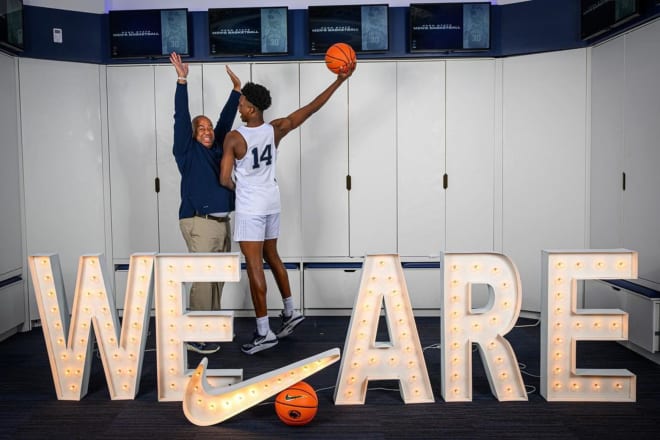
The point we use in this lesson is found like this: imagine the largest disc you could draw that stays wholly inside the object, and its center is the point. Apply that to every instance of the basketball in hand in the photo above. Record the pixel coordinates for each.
(339, 56)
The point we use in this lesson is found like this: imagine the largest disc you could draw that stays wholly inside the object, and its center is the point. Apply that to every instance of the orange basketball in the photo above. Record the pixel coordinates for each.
(338, 56)
(297, 404)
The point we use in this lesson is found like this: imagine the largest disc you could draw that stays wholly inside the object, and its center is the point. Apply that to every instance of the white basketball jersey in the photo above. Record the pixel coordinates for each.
(257, 192)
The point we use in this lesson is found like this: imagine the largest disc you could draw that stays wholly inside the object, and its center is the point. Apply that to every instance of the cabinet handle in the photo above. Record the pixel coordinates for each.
(623, 181)
(157, 184)
(445, 181)
(348, 182)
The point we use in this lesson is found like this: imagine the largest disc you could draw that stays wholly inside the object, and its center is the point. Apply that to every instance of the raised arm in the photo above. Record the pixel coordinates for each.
(228, 113)
(283, 126)
(182, 126)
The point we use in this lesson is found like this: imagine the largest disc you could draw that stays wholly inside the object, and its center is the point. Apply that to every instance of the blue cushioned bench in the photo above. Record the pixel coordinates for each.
(635, 287)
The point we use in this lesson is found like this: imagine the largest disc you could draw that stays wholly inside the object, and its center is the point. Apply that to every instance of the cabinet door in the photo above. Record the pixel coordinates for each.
(421, 157)
(641, 211)
(132, 145)
(63, 168)
(544, 161)
(470, 154)
(372, 159)
(282, 81)
(169, 196)
(324, 166)
(607, 136)
(10, 190)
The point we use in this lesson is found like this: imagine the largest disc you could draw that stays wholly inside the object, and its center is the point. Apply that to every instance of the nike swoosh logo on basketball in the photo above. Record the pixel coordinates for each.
(288, 397)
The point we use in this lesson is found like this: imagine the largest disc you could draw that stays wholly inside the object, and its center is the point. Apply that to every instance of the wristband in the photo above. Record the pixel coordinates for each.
(182, 78)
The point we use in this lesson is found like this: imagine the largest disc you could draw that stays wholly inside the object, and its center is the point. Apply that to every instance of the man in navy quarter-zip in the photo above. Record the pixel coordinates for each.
(205, 204)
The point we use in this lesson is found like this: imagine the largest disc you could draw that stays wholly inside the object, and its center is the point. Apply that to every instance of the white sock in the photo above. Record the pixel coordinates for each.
(263, 326)
(288, 306)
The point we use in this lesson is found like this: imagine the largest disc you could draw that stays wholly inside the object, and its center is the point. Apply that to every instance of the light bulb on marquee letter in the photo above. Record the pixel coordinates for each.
(462, 326)
(563, 324)
(402, 358)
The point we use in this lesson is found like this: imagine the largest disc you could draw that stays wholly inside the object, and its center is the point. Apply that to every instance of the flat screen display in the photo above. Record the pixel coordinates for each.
(248, 31)
(600, 16)
(364, 27)
(148, 33)
(11, 24)
(440, 27)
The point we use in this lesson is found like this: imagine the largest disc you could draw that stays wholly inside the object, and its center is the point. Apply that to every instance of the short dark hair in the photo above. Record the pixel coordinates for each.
(257, 94)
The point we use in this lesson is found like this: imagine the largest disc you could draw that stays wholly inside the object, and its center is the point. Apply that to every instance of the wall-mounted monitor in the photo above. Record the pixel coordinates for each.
(11, 25)
(599, 16)
(448, 27)
(248, 31)
(149, 33)
(364, 27)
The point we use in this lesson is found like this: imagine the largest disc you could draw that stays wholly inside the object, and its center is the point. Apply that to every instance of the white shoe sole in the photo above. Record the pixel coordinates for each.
(286, 331)
(260, 347)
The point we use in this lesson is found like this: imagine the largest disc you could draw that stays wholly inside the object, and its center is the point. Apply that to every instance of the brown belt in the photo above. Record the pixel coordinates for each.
(212, 217)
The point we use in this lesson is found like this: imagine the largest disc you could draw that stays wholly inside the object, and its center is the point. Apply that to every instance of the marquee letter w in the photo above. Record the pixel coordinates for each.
(69, 338)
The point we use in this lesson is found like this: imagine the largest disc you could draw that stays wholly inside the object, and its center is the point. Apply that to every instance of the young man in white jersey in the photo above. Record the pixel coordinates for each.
(250, 154)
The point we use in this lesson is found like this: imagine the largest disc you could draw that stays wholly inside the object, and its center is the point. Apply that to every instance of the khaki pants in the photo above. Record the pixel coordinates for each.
(205, 235)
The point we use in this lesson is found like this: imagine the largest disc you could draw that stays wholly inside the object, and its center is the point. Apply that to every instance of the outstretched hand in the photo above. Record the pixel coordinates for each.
(181, 67)
(347, 70)
(235, 80)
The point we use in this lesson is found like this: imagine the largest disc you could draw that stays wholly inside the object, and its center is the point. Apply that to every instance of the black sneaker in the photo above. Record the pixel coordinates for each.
(202, 347)
(260, 343)
(288, 324)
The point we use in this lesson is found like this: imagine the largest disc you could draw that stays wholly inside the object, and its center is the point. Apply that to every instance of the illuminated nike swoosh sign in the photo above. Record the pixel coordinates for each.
(204, 405)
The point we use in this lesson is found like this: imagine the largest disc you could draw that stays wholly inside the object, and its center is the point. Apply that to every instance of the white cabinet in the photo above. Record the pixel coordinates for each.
(132, 145)
(643, 311)
(354, 135)
(446, 125)
(624, 140)
(63, 162)
(606, 207)
(324, 166)
(544, 170)
(421, 157)
(10, 214)
(12, 312)
(641, 210)
(330, 288)
(372, 156)
(12, 297)
(470, 155)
